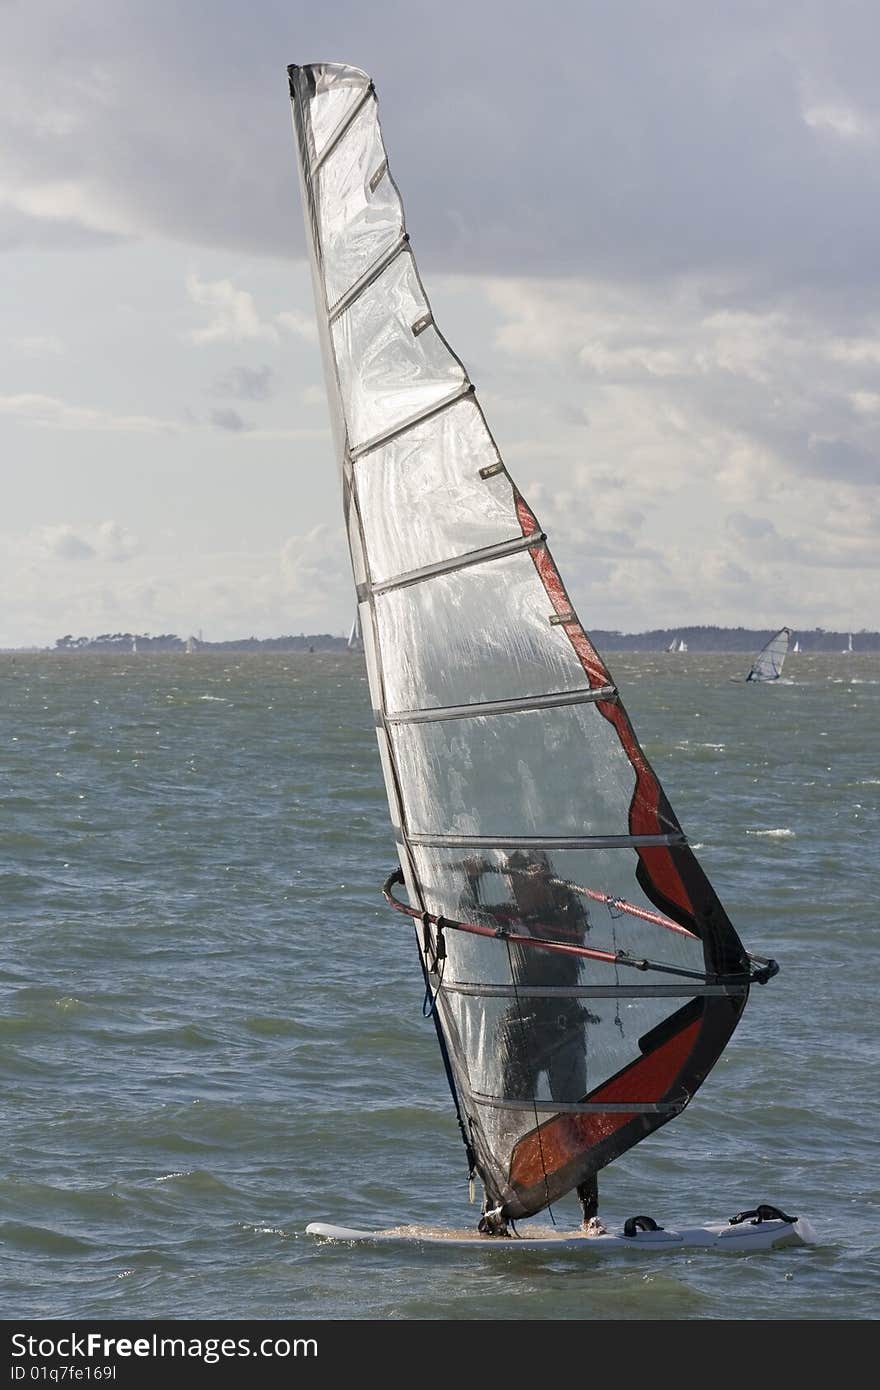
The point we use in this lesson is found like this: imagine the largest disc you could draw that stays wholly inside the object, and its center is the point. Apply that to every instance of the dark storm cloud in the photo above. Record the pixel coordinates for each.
(635, 140)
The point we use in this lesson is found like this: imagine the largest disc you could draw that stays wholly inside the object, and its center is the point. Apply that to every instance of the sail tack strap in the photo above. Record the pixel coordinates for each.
(478, 709)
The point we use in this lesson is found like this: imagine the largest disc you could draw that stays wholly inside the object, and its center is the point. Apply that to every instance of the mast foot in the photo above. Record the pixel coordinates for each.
(492, 1223)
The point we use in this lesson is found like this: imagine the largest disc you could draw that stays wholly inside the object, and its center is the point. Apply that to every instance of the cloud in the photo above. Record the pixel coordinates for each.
(716, 160)
(668, 280)
(750, 528)
(841, 458)
(316, 573)
(234, 316)
(102, 541)
(229, 420)
(115, 542)
(51, 413)
(841, 121)
(246, 383)
(36, 346)
(302, 325)
(652, 483)
(62, 543)
(78, 204)
(314, 395)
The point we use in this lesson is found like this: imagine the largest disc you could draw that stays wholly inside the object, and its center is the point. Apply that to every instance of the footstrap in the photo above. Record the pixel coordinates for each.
(762, 1213)
(634, 1224)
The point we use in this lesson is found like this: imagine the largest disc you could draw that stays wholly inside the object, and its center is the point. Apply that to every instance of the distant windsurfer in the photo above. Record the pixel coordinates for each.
(540, 1035)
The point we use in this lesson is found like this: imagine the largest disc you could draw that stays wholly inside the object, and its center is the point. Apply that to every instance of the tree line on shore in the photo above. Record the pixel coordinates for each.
(697, 639)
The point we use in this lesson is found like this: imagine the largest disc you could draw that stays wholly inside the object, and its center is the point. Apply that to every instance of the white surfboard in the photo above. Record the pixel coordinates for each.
(715, 1235)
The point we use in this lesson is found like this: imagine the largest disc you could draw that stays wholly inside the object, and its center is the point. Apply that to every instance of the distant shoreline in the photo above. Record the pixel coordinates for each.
(697, 639)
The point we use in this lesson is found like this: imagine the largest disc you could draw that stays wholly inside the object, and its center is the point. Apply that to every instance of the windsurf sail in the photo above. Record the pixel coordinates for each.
(583, 975)
(768, 663)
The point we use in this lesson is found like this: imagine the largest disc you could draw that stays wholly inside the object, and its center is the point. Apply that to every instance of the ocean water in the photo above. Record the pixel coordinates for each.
(211, 1029)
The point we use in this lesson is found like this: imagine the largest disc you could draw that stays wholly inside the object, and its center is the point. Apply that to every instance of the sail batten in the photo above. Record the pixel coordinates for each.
(557, 1107)
(340, 131)
(543, 841)
(525, 812)
(615, 991)
(465, 389)
(459, 562)
(483, 707)
(346, 300)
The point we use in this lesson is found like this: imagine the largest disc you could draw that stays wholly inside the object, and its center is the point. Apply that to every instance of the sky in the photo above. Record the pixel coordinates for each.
(650, 231)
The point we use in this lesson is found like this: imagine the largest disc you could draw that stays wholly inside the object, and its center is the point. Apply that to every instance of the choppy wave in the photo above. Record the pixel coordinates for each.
(783, 833)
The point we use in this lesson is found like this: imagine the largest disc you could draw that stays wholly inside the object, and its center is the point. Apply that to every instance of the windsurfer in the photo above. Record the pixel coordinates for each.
(541, 1034)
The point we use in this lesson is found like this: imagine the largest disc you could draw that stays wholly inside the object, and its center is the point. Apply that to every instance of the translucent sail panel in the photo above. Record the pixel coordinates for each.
(545, 772)
(392, 363)
(554, 1048)
(596, 889)
(422, 498)
(335, 93)
(768, 665)
(359, 211)
(479, 633)
(555, 1087)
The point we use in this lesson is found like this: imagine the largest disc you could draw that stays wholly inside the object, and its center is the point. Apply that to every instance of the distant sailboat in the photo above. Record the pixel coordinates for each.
(134, 644)
(848, 649)
(673, 645)
(190, 645)
(796, 647)
(682, 646)
(767, 665)
(355, 636)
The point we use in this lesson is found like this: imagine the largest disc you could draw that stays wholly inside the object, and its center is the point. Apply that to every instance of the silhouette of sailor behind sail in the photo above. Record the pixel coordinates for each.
(541, 1034)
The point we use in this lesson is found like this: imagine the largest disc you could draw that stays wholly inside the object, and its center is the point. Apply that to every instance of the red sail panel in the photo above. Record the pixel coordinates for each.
(567, 1138)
